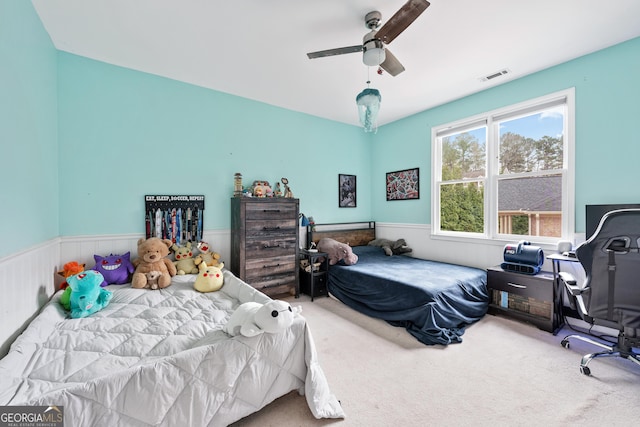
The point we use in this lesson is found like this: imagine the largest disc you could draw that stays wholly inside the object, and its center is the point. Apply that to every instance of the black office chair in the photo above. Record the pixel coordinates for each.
(610, 295)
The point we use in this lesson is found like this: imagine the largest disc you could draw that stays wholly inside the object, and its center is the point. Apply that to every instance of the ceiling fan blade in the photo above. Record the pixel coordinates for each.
(401, 20)
(391, 65)
(337, 51)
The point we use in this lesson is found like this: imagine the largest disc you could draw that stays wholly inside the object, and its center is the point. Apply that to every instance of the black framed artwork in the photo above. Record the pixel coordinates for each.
(346, 191)
(403, 185)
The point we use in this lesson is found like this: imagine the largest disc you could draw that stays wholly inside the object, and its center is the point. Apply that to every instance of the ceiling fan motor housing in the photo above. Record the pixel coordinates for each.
(373, 50)
(372, 19)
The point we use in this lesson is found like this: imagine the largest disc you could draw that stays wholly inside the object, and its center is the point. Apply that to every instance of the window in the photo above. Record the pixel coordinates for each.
(506, 174)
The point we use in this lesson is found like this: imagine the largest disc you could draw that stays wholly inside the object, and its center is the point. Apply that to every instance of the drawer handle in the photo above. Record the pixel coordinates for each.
(271, 247)
(271, 228)
(271, 266)
(271, 210)
(517, 286)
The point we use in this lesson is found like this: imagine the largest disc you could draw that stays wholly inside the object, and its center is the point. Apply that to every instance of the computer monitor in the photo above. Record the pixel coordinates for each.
(594, 214)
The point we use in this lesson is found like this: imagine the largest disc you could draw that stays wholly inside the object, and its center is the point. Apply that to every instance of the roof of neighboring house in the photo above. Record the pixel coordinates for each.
(534, 194)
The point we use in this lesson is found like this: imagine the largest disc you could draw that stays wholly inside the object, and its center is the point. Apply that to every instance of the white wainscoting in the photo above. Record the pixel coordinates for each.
(481, 254)
(27, 283)
(28, 279)
(418, 237)
(83, 248)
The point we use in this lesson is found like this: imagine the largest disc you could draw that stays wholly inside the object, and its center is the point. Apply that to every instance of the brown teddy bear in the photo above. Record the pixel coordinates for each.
(152, 256)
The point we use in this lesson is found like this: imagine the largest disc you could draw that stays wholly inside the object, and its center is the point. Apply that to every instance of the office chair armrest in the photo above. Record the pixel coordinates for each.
(567, 278)
(570, 283)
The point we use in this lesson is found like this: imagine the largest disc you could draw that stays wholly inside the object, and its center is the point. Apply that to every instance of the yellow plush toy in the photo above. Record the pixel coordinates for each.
(210, 257)
(185, 263)
(210, 279)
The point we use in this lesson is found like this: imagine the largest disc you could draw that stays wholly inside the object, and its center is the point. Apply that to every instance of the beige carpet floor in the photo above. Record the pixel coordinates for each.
(504, 373)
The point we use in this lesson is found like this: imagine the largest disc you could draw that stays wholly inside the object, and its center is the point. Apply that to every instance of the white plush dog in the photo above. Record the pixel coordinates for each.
(252, 318)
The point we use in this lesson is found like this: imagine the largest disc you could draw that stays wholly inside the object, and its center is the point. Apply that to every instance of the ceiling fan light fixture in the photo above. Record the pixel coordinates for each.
(373, 57)
(373, 50)
(368, 102)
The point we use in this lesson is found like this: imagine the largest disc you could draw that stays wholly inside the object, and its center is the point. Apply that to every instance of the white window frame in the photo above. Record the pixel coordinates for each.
(490, 120)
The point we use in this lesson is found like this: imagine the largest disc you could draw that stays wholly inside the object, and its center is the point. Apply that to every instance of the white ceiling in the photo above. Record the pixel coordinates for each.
(257, 48)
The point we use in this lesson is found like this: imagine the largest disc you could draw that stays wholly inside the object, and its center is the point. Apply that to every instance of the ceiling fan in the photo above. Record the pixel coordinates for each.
(374, 52)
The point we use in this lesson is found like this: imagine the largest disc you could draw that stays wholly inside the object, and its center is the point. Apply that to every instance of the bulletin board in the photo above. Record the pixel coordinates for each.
(174, 217)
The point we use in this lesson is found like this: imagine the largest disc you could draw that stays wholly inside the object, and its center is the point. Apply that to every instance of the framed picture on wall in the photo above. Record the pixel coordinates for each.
(403, 185)
(346, 191)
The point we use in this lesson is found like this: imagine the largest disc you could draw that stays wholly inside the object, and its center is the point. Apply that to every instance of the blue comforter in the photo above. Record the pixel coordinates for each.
(434, 301)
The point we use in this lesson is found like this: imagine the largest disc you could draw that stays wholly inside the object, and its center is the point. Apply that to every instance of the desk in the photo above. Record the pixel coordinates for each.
(556, 259)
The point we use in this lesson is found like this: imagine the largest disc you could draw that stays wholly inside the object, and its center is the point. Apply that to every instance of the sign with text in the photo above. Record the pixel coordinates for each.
(179, 218)
(31, 416)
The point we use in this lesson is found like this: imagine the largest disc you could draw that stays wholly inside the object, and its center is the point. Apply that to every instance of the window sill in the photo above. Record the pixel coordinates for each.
(546, 245)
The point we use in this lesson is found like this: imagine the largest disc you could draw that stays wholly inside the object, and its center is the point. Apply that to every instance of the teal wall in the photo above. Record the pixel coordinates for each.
(28, 130)
(124, 134)
(607, 85)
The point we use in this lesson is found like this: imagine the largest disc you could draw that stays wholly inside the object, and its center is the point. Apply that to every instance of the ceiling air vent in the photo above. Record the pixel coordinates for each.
(495, 75)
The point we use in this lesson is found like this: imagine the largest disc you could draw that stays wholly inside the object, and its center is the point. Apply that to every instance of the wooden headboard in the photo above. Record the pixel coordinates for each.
(351, 233)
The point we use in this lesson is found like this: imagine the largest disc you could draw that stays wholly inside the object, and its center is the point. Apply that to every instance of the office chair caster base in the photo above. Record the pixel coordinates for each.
(585, 370)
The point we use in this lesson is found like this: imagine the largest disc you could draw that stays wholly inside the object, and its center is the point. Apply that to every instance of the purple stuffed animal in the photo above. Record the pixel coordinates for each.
(116, 269)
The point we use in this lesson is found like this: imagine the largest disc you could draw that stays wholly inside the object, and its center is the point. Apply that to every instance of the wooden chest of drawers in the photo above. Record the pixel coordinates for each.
(264, 243)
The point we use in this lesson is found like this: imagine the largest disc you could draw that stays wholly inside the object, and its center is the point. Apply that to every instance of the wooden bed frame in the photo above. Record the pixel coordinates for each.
(351, 233)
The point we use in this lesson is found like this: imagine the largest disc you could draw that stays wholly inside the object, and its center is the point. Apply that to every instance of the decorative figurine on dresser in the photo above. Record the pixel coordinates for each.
(264, 243)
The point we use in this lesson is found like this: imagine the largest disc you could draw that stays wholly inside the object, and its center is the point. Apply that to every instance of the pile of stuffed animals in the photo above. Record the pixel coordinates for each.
(84, 292)
(152, 269)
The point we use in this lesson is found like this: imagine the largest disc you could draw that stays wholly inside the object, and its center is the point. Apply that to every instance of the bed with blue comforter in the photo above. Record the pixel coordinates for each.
(433, 300)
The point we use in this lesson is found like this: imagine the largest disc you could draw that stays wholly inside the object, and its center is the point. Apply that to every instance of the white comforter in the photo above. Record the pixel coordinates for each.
(160, 358)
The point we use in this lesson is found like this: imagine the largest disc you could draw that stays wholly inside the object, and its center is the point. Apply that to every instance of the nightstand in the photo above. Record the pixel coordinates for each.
(314, 281)
(530, 298)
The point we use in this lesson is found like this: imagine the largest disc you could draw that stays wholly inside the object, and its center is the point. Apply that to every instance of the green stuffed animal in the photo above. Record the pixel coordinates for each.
(65, 298)
(87, 296)
(185, 263)
(68, 270)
